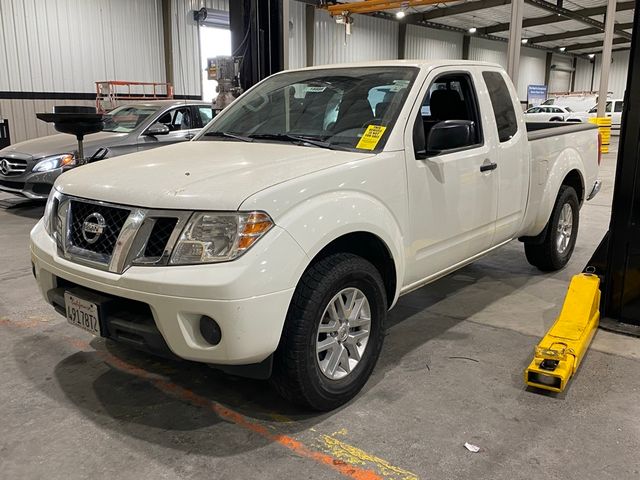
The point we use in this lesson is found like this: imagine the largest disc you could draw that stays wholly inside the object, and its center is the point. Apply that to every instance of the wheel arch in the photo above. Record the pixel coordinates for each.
(370, 247)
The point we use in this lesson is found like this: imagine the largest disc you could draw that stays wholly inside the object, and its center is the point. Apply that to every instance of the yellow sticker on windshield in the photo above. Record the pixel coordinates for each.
(371, 137)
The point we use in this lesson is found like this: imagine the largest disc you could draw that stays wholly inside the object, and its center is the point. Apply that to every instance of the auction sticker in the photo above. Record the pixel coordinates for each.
(371, 137)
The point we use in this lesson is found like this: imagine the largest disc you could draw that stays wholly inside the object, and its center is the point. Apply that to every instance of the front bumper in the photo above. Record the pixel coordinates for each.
(248, 297)
(33, 185)
(597, 185)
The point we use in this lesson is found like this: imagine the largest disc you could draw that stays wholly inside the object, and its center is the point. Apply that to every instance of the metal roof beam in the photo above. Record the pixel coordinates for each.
(586, 46)
(575, 33)
(570, 14)
(466, 7)
(555, 18)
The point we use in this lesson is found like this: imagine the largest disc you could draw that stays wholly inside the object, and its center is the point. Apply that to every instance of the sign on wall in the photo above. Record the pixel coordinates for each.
(536, 94)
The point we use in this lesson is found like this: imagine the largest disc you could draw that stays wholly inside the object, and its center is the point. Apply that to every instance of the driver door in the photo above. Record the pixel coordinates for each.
(181, 123)
(453, 194)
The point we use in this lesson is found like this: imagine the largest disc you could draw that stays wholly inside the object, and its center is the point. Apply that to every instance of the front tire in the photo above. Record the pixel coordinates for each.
(561, 233)
(333, 333)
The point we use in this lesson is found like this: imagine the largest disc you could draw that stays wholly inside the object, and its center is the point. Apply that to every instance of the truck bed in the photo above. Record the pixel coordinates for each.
(539, 130)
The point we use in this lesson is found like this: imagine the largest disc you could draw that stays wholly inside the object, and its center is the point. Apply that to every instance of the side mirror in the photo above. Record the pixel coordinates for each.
(449, 135)
(419, 141)
(157, 129)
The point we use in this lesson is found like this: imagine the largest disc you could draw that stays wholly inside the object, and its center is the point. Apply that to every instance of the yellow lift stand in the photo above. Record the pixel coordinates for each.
(561, 350)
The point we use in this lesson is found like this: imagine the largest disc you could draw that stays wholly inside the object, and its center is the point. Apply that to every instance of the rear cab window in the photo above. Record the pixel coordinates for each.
(503, 111)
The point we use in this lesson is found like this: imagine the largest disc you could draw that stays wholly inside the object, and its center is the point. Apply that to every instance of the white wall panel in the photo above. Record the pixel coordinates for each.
(297, 35)
(371, 39)
(427, 43)
(560, 80)
(488, 51)
(583, 76)
(67, 45)
(185, 39)
(532, 65)
(617, 73)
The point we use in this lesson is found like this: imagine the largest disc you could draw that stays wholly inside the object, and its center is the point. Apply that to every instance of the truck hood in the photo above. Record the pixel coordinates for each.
(61, 143)
(203, 175)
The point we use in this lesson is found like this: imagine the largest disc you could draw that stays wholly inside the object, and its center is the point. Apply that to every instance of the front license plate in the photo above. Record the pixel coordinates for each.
(82, 313)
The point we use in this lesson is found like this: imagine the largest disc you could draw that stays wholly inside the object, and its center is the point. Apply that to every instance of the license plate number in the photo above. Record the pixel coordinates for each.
(81, 313)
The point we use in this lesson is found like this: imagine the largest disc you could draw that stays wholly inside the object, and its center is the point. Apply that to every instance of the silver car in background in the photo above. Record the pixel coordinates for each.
(31, 167)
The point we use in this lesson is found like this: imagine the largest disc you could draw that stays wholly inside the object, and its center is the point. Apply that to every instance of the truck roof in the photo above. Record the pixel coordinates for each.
(420, 63)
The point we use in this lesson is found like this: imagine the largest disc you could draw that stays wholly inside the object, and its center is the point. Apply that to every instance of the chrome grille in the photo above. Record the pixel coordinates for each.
(12, 166)
(128, 235)
(114, 221)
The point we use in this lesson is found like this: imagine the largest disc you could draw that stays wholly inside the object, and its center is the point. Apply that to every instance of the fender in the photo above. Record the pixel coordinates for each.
(538, 214)
(320, 220)
(319, 208)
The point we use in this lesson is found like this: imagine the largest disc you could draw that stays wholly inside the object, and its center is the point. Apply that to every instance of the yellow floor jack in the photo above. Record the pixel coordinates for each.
(561, 350)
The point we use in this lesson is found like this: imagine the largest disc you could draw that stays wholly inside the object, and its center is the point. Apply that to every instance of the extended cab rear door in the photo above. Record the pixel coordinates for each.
(452, 191)
(507, 131)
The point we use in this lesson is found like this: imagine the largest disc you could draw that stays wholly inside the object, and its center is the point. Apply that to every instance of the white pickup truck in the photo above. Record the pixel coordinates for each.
(274, 243)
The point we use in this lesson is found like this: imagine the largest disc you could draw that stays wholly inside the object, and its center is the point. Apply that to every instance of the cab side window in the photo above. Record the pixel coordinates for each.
(451, 98)
(619, 106)
(502, 105)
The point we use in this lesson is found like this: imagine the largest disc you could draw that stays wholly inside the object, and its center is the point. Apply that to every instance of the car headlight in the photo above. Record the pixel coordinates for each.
(55, 161)
(50, 211)
(212, 237)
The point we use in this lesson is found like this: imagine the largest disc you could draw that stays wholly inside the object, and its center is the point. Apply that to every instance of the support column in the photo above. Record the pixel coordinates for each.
(466, 43)
(573, 74)
(547, 69)
(168, 40)
(310, 22)
(515, 38)
(606, 57)
(402, 40)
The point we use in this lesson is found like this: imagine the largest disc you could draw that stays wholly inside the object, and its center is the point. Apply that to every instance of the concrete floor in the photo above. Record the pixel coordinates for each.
(72, 406)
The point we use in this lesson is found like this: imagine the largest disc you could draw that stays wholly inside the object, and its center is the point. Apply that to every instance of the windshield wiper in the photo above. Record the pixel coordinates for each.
(229, 135)
(292, 138)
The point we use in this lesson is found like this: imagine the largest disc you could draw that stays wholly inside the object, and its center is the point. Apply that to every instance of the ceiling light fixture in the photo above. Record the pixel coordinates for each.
(525, 41)
(562, 49)
(400, 14)
(473, 30)
(592, 55)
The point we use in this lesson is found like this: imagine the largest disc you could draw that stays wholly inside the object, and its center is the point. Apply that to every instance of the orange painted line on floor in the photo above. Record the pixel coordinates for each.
(220, 410)
(226, 413)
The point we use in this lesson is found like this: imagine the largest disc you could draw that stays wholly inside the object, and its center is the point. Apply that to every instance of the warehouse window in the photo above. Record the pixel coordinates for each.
(502, 105)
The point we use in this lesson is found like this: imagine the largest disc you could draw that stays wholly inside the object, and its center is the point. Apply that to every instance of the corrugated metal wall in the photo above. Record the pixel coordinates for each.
(297, 35)
(372, 39)
(532, 65)
(427, 43)
(583, 75)
(617, 73)
(185, 39)
(560, 80)
(488, 51)
(64, 46)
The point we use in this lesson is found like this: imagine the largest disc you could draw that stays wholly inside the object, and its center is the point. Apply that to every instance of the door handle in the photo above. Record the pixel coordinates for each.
(487, 167)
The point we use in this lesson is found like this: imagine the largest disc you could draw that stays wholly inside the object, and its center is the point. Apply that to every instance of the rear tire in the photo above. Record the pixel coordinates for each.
(561, 232)
(305, 370)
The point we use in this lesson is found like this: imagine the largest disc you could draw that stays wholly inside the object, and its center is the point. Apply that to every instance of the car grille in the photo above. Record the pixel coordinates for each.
(114, 219)
(12, 166)
(160, 234)
(113, 237)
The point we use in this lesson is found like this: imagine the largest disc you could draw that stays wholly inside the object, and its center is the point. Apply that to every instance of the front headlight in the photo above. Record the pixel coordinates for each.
(50, 211)
(55, 161)
(212, 237)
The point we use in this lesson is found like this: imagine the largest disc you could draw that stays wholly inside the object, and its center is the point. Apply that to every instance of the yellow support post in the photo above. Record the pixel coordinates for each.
(561, 350)
(604, 127)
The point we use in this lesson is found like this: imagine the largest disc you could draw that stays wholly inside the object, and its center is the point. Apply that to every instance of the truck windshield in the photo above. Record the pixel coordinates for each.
(126, 118)
(336, 108)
